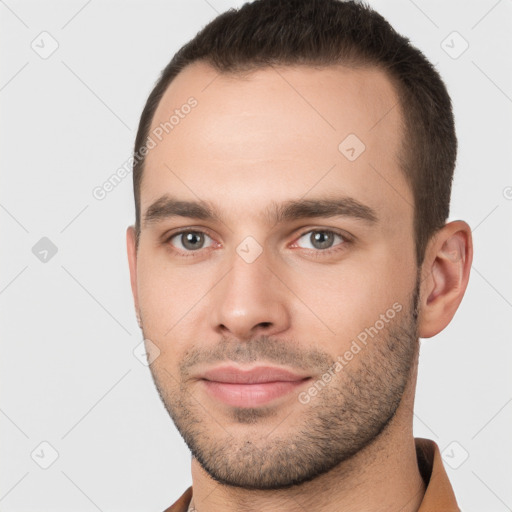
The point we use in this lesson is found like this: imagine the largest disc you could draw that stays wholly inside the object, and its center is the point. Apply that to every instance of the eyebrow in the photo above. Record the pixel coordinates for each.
(168, 207)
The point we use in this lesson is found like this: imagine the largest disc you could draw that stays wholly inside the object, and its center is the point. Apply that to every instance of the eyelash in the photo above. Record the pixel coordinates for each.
(318, 253)
(186, 254)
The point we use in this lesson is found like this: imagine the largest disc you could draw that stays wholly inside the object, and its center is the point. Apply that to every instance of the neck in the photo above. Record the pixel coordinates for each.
(383, 476)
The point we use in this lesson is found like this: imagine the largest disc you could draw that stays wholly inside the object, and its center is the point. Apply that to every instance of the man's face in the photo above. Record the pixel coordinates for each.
(319, 284)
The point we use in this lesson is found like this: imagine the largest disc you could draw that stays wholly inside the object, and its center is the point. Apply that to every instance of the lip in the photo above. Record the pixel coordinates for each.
(255, 375)
(250, 387)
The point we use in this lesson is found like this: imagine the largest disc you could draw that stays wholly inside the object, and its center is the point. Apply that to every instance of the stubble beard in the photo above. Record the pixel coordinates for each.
(342, 419)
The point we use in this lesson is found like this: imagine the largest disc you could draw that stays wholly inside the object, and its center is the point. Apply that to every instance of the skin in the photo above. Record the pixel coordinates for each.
(273, 136)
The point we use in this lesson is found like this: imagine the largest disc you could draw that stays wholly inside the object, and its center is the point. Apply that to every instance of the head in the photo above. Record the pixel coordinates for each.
(292, 178)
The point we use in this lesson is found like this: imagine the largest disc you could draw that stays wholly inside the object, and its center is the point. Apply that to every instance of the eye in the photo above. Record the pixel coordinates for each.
(190, 240)
(320, 239)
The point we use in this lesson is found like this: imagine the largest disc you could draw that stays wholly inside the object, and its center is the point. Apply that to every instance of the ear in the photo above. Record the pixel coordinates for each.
(445, 274)
(131, 248)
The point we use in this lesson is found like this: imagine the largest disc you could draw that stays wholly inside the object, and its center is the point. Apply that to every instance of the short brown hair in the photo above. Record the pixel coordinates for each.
(322, 33)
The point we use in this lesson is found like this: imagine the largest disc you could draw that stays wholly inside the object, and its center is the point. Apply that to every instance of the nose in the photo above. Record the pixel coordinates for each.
(249, 301)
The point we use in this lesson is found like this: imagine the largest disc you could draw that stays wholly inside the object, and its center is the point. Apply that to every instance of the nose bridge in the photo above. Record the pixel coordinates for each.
(249, 298)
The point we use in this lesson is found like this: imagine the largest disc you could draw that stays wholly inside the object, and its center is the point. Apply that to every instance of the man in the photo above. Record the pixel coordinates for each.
(292, 179)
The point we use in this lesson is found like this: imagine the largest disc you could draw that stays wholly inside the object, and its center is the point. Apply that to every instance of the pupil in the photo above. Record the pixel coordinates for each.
(322, 239)
(190, 240)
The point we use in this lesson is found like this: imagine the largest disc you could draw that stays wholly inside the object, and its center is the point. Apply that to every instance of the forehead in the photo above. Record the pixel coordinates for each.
(277, 133)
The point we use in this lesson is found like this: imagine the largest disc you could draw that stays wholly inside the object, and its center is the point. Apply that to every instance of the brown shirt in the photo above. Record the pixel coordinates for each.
(439, 496)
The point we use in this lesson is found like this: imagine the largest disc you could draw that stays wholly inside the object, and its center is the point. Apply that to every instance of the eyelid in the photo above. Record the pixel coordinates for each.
(319, 253)
(347, 239)
(194, 229)
(167, 237)
(343, 234)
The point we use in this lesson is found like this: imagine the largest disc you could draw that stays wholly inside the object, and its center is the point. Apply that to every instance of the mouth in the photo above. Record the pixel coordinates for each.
(250, 387)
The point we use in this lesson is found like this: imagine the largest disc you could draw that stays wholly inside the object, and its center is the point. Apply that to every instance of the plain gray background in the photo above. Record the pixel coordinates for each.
(70, 379)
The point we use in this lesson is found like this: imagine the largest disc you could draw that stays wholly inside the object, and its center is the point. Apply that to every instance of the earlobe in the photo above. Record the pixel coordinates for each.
(446, 269)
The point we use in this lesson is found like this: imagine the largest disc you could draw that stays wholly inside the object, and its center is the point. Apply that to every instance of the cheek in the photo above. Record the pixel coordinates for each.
(351, 297)
(336, 305)
(169, 295)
